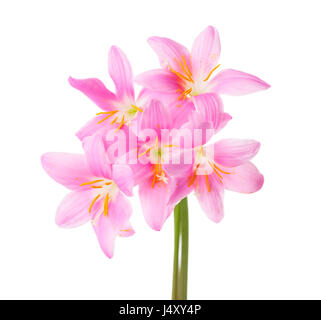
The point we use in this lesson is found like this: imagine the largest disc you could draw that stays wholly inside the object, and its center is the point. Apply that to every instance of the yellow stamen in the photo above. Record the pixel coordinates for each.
(193, 179)
(188, 70)
(221, 169)
(115, 119)
(106, 205)
(92, 203)
(155, 174)
(145, 152)
(121, 123)
(213, 167)
(90, 182)
(194, 176)
(170, 146)
(109, 115)
(106, 112)
(207, 182)
(96, 187)
(108, 183)
(137, 108)
(211, 73)
(179, 74)
(185, 93)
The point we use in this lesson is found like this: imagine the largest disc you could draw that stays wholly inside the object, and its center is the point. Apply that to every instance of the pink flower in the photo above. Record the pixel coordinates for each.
(187, 76)
(154, 186)
(97, 192)
(226, 165)
(118, 109)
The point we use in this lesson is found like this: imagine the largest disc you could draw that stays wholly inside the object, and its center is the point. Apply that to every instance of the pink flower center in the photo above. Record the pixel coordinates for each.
(189, 86)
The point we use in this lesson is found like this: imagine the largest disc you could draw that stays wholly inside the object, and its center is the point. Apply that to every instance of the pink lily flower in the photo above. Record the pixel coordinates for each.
(226, 165)
(154, 186)
(118, 110)
(188, 75)
(97, 192)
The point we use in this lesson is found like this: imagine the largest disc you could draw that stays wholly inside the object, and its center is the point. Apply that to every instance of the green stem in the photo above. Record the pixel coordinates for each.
(180, 267)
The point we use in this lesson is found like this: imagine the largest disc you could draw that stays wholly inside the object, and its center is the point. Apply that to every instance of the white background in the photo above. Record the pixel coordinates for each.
(267, 246)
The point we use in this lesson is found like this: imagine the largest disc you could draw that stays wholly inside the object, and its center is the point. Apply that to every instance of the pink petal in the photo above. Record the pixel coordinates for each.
(245, 179)
(160, 80)
(68, 169)
(235, 83)
(210, 106)
(200, 129)
(94, 127)
(122, 175)
(74, 209)
(234, 152)
(180, 112)
(180, 163)
(107, 228)
(211, 201)
(170, 53)
(181, 190)
(95, 90)
(156, 117)
(121, 72)
(154, 202)
(206, 51)
(96, 156)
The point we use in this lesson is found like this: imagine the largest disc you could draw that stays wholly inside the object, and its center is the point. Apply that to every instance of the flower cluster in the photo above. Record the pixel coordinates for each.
(157, 141)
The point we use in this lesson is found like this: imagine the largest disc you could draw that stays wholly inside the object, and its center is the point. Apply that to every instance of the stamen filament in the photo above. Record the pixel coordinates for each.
(145, 152)
(185, 93)
(121, 123)
(106, 112)
(90, 182)
(93, 202)
(211, 73)
(106, 205)
(137, 108)
(179, 74)
(221, 169)
(115, 119)
(188, 70)
(207, 182)
(111, 113)
(213, 167)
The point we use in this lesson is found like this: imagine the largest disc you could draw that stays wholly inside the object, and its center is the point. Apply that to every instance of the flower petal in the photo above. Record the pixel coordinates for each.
(121, 72)
(74, 209)
(159, 79)
(94, 126)
(180, 163)
(122, 175)
(68, 169)
(170, 53)
(234, 152)
(245, 179)
(182, 190)
(235, 83)
(95, 90)
(206, 51)
(211, 201)
(156, 117)
(180, 112)
(210, 106)
(107, 228)
(96, 156)
(154, 202)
